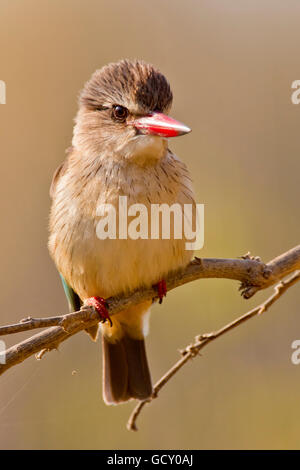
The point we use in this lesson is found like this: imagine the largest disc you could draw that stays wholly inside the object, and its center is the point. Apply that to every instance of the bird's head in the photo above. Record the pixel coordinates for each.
(123, 111)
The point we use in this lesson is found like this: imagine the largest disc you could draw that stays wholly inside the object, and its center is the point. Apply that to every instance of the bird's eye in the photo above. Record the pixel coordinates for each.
(120, 113)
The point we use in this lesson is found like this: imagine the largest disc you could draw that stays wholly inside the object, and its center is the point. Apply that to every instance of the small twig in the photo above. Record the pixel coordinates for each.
(29, 323)
(203, 340)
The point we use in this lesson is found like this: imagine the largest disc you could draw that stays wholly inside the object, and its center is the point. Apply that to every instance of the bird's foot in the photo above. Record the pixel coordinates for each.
(100, 305)
(161, 288)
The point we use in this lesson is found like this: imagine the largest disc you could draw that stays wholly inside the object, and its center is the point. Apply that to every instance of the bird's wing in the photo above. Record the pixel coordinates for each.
(60, 171)
(74, 301)
(75, 304)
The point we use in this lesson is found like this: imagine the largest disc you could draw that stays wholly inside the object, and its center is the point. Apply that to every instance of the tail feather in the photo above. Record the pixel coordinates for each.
(125, 370)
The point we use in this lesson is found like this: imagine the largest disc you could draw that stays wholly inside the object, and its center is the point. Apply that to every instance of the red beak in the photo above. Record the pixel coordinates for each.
(160, 124)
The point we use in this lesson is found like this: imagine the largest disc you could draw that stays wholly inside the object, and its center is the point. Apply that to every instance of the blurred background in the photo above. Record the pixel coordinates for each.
(231, 65)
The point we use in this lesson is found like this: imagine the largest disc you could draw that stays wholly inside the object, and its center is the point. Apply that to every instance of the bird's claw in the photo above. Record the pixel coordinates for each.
(100, 305)
(161, 288)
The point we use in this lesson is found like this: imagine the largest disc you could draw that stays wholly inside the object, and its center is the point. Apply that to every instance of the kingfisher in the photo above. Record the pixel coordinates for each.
(119, 148)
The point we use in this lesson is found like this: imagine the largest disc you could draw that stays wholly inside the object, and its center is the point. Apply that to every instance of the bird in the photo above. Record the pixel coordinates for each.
(119, 148)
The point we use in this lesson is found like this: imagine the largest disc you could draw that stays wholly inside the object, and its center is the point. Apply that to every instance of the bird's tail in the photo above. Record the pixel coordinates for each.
(125, 368)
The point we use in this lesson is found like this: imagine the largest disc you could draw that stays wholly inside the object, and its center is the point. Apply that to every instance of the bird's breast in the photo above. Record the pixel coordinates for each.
(95, 265)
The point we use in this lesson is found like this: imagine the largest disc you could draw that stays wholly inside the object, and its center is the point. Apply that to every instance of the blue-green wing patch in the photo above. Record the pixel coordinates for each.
(74, 301)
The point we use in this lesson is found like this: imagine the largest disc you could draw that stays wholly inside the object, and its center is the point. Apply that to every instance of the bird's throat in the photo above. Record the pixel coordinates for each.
(144, 150)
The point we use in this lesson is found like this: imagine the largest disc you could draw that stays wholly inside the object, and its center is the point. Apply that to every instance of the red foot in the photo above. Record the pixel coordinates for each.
(100, 305)
(161, 288)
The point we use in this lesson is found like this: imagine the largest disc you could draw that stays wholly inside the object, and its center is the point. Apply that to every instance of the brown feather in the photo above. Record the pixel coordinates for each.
(128, 81)
(59, 172)
(125, 370)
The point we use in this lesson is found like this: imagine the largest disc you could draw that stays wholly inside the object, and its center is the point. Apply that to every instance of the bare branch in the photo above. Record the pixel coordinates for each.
(251, 272)
(203, 340)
